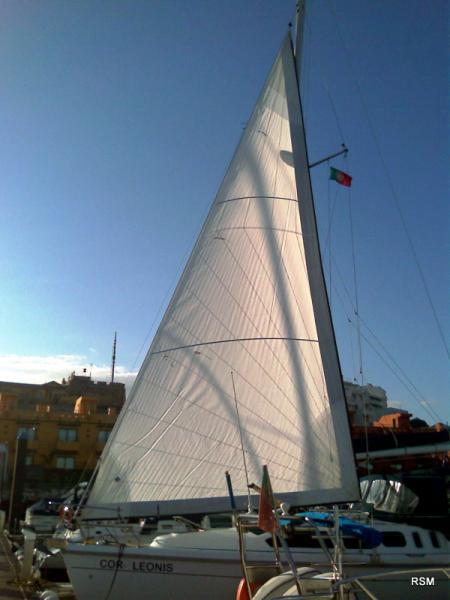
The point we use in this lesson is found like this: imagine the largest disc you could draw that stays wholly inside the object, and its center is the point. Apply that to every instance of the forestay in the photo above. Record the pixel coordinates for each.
(251, 301)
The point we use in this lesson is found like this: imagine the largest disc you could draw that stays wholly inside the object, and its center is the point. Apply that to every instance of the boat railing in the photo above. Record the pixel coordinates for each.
(192, 524)
(356, 584)
(333, 584)
(258, 573)
(255, 573)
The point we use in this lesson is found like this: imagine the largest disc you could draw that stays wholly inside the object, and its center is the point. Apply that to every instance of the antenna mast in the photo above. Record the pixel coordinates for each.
(113, 357)
(242, 445)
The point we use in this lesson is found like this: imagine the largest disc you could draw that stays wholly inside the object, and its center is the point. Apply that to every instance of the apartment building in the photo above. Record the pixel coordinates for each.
(66, 426)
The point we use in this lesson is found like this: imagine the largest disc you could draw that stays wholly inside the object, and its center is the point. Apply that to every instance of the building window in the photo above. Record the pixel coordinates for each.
(29, 433)
(28, 460)
(65, 462)
(67, 435)
(103, 436)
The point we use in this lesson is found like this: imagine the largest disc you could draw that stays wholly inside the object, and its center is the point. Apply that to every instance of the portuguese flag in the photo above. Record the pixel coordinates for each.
(266, 517)
(340, 177)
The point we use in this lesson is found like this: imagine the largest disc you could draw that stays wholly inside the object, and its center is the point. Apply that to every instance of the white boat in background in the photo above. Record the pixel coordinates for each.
(43, 515)
(244, 364)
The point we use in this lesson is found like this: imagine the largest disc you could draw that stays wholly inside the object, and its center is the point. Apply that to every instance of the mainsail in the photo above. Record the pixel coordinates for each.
(251, 302)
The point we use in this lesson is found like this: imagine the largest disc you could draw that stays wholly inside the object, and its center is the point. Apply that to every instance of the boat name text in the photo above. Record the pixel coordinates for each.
(137, 565)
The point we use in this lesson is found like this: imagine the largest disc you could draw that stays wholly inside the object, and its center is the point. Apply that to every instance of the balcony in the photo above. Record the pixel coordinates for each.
(65, 446)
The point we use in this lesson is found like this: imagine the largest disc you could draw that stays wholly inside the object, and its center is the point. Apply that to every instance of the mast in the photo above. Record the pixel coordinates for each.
(299, 30)
(113, 363)
(322, 311)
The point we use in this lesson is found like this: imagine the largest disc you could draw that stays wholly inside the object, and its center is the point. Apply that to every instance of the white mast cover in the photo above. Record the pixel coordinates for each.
(242, 305)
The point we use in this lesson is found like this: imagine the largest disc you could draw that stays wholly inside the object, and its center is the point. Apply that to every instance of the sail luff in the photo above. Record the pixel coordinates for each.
(322, 311)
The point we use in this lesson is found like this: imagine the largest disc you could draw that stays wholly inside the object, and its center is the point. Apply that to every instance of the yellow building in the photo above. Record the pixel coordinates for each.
(65, 432)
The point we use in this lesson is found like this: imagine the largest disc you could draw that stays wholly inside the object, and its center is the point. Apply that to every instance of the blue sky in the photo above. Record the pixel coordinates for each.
(117, 122)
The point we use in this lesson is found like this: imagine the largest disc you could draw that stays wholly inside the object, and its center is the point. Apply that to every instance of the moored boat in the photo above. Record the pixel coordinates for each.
(243, 371)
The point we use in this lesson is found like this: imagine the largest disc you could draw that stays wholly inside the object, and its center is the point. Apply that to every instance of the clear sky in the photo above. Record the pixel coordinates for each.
(117, 122)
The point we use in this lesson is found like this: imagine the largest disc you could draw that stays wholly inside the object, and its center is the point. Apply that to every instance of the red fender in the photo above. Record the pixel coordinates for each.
(242, 591)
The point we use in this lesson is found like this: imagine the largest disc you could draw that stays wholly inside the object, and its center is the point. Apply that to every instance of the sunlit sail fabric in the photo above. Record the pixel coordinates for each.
(244, 306)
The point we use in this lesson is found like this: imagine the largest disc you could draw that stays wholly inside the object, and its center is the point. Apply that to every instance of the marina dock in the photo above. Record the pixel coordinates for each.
(11, 585)
(9, 581)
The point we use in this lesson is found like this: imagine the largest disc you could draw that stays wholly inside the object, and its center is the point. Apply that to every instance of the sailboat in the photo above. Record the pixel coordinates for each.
(243, 371)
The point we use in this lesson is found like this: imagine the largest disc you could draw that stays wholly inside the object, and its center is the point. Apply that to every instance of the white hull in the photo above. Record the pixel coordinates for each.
(208, 565)
(149, 574)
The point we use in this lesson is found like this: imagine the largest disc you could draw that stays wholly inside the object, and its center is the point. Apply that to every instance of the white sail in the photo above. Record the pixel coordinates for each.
(251, 301)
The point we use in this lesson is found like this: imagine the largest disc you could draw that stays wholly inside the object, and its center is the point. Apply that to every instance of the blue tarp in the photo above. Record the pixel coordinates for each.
(370, 537)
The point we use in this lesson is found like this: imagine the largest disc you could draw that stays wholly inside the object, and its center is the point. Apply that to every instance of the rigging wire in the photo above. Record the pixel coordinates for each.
(422, 403)
(401, 375)
(332, 204)
(325, 87)
(328, 239)
(398, 372)
(352, 350)
(306, 65)
(391, 185)
(414, 391)
(358, 328)
(331, 208)
(407, 383)
(116, 570)
(355, 285)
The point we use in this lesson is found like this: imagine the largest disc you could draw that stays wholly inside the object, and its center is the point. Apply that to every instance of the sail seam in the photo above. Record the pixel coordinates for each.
(257, 362)
(299, 312)
(252, 339)
(298, 306)
(257, 198)
(232, 447)
(224, 419)
(298, 443)
(274, 286)
(252, 227)
(261, 366)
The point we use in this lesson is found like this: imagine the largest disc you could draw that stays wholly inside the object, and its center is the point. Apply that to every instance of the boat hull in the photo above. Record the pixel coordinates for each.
(156, 575)
(159, 573)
